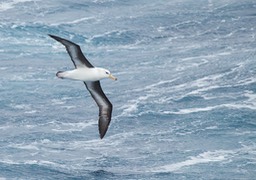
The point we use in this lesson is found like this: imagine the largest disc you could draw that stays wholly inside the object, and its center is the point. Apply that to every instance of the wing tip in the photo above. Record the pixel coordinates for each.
(103, 132)
(102, 136)
(55, 37)
(103, 127)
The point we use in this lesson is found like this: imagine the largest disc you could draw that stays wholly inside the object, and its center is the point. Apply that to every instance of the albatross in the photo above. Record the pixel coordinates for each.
(91, 76)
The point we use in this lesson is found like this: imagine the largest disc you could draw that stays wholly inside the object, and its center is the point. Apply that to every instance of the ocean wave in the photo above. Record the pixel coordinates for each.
(42, 167)
(120, 37)
(58, 101)
(26, 77)
(205, 157)
(221, 156)
(21, 106)
(73, 127)
(131, 107)
(184, 106)
(74, 22)
(210, 108)
(4, 6)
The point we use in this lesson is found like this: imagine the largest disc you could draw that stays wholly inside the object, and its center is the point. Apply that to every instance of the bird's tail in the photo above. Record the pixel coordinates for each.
(60, 74)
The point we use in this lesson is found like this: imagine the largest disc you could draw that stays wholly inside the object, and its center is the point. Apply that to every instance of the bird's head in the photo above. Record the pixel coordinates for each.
(106, 74)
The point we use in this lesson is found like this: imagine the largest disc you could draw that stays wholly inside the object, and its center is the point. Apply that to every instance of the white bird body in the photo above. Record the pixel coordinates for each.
(85, 74)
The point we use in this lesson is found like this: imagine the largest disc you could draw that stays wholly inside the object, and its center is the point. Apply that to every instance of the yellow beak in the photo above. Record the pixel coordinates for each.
(112, 77)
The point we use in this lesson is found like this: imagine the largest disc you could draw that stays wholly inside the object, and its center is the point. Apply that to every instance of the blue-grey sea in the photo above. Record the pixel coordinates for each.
(184, 103)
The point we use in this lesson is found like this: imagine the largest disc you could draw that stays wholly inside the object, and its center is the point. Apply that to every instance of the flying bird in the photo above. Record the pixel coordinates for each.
(91, 76)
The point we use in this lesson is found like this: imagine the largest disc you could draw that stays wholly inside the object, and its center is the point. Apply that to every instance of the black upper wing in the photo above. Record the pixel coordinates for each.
(105, 106)
(74, 52)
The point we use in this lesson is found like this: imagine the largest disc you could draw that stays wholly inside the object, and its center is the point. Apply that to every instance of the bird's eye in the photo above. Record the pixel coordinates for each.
(107, 72)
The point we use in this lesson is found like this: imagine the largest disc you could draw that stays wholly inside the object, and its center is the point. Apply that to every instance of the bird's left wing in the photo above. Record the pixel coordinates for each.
(105, 106)
(74, 52)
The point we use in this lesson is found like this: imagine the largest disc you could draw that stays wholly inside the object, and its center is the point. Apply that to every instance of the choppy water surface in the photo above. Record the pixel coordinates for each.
(184, 102)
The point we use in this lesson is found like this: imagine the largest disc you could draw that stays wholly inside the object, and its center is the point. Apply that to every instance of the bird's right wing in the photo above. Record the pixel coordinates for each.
(105, 106)
(74, 52)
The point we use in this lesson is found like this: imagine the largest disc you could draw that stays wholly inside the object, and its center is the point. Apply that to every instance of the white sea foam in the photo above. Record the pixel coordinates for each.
(154, 85)
(251, 106)
(70, 127)
(25, 146)
(69, 107)
(17, 78)
(31, 112)
(205, 157)
(102, 1)
(129, 108)
(25, 77)
(3, 68)
(191, 110)
(21, 106)
(76, 21)
(5, 127)
(217, 156)
(247, 81)
(32, 162)
(58, 102)
(62, 101)
(11, 4)
(132, 105)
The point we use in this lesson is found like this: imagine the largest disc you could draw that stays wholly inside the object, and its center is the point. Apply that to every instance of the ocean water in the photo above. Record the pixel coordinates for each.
(184, 102)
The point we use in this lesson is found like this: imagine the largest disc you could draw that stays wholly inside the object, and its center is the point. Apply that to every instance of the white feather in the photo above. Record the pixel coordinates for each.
(85, 74)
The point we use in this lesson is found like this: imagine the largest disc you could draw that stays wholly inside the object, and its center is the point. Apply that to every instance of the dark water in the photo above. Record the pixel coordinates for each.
(184, 102)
